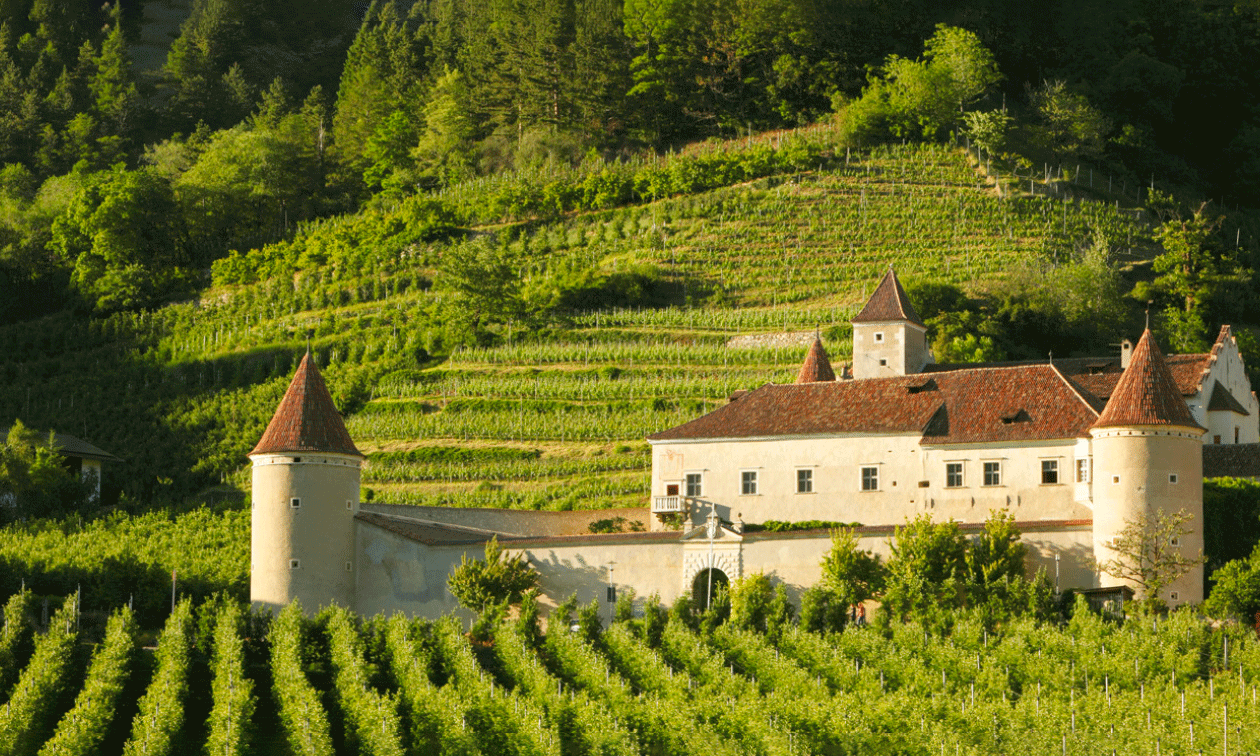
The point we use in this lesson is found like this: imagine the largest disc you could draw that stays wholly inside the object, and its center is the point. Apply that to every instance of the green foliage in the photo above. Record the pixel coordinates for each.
(758, 604)
(1070, 125)
(299, 707)
(34, 479)
(231, 722)
(1147, 554)
(82, 731)
(851, 575)
(927, 568)
(36, 700)
(160, 719)
(15, 636)
(1231, 520)
(373, 722)
(501, 577)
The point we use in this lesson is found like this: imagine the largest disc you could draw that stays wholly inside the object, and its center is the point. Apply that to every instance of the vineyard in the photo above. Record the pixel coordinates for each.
(222, 681)
(745, 238)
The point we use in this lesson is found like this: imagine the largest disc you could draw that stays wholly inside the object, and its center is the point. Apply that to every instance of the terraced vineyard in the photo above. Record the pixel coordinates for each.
(183, 393)
(221, 682)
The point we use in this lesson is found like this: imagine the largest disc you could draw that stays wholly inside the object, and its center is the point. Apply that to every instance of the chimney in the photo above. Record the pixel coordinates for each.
(1126, 353)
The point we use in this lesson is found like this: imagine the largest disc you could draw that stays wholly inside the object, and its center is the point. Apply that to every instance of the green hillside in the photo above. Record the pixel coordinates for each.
(551, 410)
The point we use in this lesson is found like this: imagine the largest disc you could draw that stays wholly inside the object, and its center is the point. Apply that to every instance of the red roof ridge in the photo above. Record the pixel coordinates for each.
(888, 303)
(816, 367)
(1076, 390)
(1146, 394)
(306, 419)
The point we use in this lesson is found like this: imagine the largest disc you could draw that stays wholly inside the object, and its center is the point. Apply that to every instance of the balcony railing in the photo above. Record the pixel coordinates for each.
(670, 504)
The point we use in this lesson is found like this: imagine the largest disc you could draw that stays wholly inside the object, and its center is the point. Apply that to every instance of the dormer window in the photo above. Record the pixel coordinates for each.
(1018, 416)
(928, 385)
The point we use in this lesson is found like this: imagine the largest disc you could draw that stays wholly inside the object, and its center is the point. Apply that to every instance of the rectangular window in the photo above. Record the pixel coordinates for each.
(1172, 477)
(953, 474)
(1049, 472)
(993, 473)
(748, 483)
(348, 567)
(294, 564)
(694, 487)
(804, 481)
(1082, 471)
(349, 504)
(879, 337)
(870, 478)
(295, 503)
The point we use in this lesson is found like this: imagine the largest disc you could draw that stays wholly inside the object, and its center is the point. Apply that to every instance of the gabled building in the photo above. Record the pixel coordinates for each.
(1068, 444)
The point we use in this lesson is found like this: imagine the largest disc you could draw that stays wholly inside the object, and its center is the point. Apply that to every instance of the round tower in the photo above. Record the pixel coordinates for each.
(305, 496)
(1148, 460)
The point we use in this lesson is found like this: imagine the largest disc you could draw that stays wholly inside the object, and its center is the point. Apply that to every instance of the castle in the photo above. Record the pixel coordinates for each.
(1074, 449)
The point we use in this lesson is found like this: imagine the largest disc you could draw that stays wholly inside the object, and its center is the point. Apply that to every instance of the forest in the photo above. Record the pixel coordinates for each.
(133, 160)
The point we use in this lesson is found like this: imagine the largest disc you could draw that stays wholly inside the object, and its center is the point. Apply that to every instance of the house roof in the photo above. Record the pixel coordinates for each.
(71, 446)
(1231, 460)
(1099, 375)
(306, 420)
(888, 303)
(817, 367)
(1222, 399)
(1019, 403)
(1147, 393)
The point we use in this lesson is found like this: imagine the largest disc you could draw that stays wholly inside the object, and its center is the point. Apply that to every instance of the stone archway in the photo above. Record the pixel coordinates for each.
(700, 586)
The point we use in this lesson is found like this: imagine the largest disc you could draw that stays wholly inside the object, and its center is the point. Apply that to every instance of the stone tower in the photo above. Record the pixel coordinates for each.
(305, 495)
(888, 337)
(1148, 459)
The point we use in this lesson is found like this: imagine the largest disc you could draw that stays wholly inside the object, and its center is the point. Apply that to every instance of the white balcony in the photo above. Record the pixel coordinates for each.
(670, 504)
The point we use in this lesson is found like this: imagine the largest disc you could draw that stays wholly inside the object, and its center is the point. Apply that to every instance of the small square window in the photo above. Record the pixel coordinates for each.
(748, 483)
(870, 478)
(883, 363)
(694, 487)
(295, 503)
(1176, 541)
(1172, 477)
(1115, 479)
(993, 473)
(348, 567)
(1049, 472)
(1216, 439)
(879, 337)
(1082, 471)
(1173, 596)
(295, 564)
(804, 481)
(349, 504)
(953, 474)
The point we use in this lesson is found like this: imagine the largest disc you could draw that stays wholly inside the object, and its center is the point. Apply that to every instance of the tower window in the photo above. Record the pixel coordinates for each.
(295, 503)
(1049, 472)
(1176, 541)
(804, 481)
(1172, 477)
(870, 478)
(295, 564)
(748, 483)
(1115, 479)
(1173, 596)
(349, 504)
(879, 337)
(883, 363)
(348, 566)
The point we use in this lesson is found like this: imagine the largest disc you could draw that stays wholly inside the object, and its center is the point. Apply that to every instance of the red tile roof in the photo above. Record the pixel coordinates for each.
(817, 367)
(306, 420)
(1021, 403)
(1147, 393)
(888, 303)
(1099, 375)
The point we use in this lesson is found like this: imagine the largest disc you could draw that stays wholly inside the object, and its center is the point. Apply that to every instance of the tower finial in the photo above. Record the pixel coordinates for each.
(1149, 302)
(1050, 354)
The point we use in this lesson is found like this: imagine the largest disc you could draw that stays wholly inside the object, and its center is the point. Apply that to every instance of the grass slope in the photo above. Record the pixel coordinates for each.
(550, 421)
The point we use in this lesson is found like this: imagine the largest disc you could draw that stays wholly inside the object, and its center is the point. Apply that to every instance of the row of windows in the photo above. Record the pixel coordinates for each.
(955, 477)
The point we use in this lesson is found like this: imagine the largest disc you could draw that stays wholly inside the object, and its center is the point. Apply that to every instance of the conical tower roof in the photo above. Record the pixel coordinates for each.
(306, 420)
(817, 367)
(1147, 394)
(888, 303)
